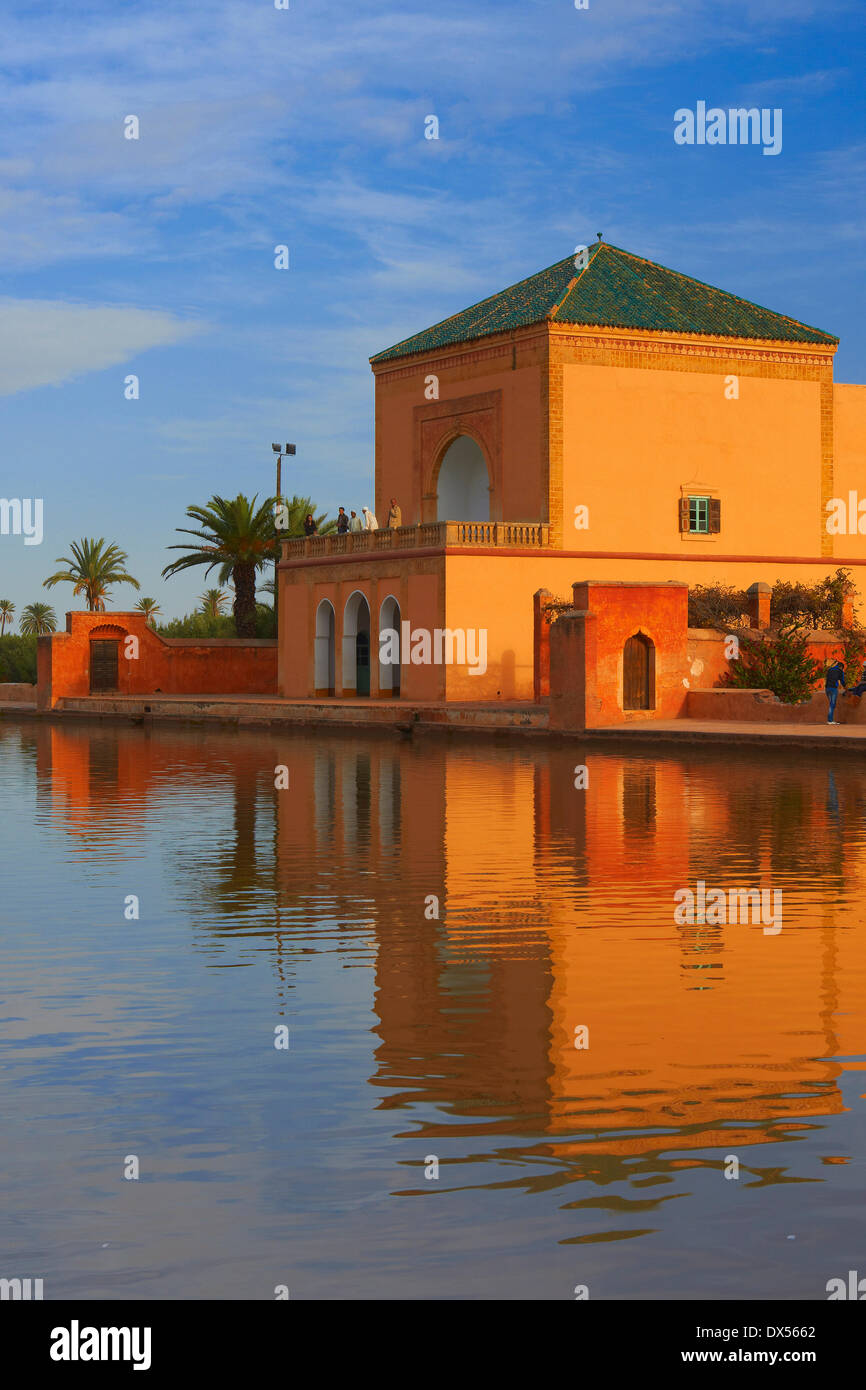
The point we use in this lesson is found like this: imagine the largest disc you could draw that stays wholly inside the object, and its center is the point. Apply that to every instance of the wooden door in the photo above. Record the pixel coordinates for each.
(362, 663)
(103, 665)
(637, 673)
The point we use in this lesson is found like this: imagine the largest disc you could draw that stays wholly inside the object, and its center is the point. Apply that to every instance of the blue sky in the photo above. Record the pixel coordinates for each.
(305, 126)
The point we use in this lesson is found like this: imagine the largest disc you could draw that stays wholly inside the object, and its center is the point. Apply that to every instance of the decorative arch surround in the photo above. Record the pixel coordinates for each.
(639, 672)
(389, 671)
(325, 679)
(356, 645)
(438, 424)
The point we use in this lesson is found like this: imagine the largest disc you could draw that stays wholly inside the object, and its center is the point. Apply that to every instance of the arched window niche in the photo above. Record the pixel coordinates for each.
(463, 483)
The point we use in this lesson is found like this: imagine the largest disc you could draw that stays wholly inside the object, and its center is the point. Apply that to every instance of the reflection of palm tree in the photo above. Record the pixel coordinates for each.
(230, 884)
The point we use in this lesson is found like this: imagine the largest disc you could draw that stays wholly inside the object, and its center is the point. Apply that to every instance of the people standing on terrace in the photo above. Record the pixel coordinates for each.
(370, 522)
(310, 527)
(355, 523)
(342, 522)
(395, 515)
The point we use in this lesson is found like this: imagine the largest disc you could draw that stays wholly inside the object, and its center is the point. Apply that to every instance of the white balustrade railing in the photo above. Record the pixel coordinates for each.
(437, 535)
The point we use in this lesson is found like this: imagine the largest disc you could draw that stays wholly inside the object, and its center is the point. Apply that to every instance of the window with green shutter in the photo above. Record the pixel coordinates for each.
(700, 516)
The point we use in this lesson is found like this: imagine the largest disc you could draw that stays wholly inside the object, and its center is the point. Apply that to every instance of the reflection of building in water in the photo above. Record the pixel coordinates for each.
(555, 910)
(92, 781)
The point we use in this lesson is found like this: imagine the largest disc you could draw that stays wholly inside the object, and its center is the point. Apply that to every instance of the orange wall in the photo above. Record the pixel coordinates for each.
(495, 592)
(520, 494)
(849, 473)
(632, 437)
(487, 590)
(168, 665)
(415, 584)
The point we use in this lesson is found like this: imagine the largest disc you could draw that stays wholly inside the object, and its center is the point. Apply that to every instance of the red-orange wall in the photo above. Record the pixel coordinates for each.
(174, 666)
(586, 653)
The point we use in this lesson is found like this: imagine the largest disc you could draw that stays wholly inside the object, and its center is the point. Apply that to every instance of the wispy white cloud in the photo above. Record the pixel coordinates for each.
(48, 342)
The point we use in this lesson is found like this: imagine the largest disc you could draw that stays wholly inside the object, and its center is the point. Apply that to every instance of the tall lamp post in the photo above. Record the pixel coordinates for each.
(279, 450)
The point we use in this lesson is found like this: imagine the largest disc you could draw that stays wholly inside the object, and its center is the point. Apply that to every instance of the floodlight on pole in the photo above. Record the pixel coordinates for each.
(279, 450)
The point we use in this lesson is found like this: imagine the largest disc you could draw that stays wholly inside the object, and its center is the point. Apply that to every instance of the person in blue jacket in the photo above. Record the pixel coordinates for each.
(834, 676)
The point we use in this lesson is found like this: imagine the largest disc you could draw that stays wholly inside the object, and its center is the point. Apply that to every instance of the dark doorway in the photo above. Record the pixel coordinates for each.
(389, 671)
(103, 665)
(362, 663)
(637, 673)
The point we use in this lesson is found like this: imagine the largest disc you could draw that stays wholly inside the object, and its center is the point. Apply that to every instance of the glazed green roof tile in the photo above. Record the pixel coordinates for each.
(615, 290)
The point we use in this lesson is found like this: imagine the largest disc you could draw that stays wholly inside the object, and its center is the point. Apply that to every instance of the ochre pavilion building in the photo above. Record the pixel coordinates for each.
(619, 421)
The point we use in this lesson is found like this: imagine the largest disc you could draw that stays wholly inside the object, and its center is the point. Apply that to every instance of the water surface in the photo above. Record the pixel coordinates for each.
(416, 1037)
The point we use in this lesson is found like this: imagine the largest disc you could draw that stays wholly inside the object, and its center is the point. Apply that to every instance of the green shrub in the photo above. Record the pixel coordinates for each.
(853, 654)
(18, 658)
(780, 663)
(204, 626)
(814, 605)
(266, 620)
(552, 608)
(717, 605)
(199, 625)
(809, 605)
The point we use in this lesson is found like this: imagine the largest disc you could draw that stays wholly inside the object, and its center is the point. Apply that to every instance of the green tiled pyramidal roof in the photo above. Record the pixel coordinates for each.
(614, 290)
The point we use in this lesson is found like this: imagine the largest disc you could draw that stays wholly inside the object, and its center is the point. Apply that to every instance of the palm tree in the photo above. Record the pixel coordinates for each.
(37, 619)
(7, 608)
(238, 538)
(149, 607)
(93, 569)
(298, 510)
(213, 601)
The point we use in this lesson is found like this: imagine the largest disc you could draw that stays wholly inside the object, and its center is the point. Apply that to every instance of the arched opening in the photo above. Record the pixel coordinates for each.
(356, 645)
(325, 649)
(463, 484)
(389, 647)
(638, 673)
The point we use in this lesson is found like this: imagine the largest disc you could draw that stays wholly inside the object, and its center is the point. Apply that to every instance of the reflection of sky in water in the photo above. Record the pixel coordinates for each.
(413, 1034)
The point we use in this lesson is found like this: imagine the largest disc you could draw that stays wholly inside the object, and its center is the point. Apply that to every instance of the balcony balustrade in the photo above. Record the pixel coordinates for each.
(483, 535)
